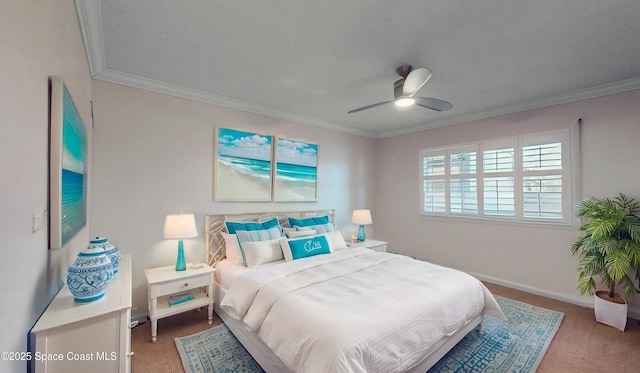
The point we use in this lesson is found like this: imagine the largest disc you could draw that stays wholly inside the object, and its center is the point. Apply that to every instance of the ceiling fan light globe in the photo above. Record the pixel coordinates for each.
(404, 101)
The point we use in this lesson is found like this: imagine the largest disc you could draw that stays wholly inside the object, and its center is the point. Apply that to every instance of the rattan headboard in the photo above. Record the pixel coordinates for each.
(215, 223)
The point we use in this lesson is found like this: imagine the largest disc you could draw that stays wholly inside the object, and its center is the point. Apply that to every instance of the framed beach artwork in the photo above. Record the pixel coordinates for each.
(243, 166)
(67, 167)
(296, 171)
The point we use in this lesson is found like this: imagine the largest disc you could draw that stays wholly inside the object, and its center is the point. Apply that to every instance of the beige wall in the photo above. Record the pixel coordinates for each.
(536, 259)
(37, 39)
(153, 155)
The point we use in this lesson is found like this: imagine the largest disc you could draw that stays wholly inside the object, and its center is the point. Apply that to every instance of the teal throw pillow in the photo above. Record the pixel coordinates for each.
(305, 247)
(324, 219)
(233, 226)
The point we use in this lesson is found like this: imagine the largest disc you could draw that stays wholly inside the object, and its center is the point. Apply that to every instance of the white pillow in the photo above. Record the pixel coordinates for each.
(256, 236)
(232, 247)
(305, 228)
(335, 238)
(261, 252)
(288, 231)
(308, 232)
(320, 228)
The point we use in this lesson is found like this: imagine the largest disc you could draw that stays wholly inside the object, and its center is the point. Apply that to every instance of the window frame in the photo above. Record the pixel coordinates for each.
(570, 173)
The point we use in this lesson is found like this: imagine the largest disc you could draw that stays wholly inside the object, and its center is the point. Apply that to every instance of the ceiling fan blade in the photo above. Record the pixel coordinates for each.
(415, 80)
(368, 107)
(433, 103)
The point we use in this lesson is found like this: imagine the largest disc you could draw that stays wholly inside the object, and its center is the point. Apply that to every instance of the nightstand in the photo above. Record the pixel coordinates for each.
(165, 284)
(380, 246)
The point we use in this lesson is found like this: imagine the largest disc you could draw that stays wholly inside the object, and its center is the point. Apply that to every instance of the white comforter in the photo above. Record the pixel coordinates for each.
(355, 310)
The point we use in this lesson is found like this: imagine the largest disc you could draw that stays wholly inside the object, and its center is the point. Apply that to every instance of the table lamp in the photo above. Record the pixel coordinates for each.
(179, 226)
(361, 217)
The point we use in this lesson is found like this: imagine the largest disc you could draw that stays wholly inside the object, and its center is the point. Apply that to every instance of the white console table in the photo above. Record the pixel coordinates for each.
(93, 337)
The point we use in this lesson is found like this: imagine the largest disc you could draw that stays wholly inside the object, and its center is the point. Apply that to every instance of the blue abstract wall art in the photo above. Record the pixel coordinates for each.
(68, 168)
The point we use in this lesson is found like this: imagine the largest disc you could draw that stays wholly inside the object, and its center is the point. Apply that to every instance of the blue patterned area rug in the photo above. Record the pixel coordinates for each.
(515, 345)
(215, 350)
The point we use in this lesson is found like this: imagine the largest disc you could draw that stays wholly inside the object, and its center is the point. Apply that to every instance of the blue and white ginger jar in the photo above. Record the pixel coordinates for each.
(112, 252)
(89, 275)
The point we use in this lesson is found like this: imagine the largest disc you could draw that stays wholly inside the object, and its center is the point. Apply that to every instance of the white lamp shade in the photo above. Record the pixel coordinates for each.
(179, 226)
(361, 217)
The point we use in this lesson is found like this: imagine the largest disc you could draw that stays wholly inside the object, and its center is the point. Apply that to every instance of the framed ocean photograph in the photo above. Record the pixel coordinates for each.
(243, 166)
(296, 172)
(67, 167)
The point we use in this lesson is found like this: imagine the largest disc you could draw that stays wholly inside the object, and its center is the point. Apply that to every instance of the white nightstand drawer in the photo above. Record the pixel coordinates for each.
(183, 284)
(380, 246)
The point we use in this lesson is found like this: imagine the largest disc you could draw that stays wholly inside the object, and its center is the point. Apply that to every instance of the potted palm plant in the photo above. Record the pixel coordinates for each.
(609, 249)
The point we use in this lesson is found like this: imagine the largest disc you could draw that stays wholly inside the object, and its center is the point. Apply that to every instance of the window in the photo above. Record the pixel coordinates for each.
(464, 183)
(526, 179)
(498, 168)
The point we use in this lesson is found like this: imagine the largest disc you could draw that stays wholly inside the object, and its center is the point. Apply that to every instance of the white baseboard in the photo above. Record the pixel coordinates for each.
(633, 313)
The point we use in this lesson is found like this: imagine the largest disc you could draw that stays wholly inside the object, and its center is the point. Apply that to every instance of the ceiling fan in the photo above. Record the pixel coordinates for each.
(406, 88)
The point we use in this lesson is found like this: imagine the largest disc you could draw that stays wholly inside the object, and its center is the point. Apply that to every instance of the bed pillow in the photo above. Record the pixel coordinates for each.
(233, 226)
(320, 228)
(258, 235)
(254, 236)
(287, 230)
(296, 248)
(304, 222)
(302, 233)
(337, 241)
(232, 247)
(261, 252)
(299, 228)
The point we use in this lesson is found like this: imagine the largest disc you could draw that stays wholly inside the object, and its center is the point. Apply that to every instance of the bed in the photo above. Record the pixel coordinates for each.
(345, 310)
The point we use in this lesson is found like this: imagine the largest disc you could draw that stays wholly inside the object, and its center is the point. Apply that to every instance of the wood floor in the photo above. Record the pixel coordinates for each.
(581, 344)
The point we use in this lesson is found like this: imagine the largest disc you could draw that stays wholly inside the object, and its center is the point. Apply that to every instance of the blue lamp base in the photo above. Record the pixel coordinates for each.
(361, 235)
(180, 263)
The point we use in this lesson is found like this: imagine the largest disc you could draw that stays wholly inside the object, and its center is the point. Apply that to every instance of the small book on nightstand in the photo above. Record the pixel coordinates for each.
(180, 298)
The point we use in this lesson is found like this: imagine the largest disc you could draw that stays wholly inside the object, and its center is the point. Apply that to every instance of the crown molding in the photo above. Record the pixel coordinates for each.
(191, 94)
(135, 81)
(584, 94)
(91, 25)
(90, 19)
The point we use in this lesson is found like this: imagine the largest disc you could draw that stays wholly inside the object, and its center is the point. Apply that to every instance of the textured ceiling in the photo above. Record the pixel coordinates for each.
(312, 61)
